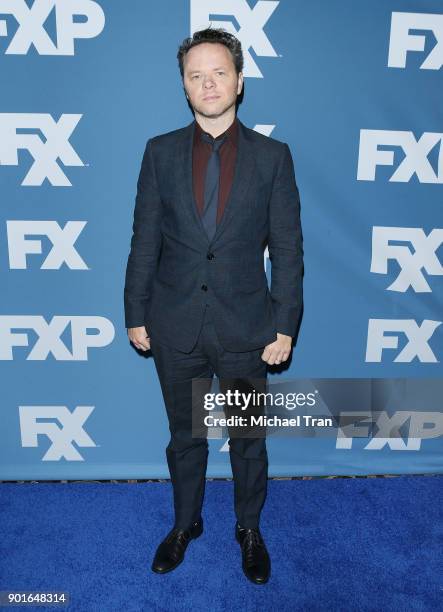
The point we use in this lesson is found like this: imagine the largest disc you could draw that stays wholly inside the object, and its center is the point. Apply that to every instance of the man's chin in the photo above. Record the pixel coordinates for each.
(212, 113)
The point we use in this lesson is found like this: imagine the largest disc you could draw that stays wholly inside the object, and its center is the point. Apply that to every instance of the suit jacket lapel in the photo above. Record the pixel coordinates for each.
(244, 169)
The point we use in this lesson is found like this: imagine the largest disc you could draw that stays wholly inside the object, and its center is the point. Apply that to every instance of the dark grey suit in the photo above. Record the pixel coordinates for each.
(206, 304)
(173, 270)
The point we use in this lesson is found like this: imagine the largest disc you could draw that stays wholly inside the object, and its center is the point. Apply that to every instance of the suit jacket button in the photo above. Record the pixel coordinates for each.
(204, 287)
(210, 256)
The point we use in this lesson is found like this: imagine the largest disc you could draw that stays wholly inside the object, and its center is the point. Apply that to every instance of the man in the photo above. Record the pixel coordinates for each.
(210, 197)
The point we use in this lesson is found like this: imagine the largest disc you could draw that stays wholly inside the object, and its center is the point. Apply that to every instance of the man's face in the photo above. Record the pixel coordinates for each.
(210, 79)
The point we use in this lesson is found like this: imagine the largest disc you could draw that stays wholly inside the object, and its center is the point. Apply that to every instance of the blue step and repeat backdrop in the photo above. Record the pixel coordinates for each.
(354, 88)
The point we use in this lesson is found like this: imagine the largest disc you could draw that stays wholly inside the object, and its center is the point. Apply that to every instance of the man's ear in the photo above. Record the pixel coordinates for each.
(240, 82)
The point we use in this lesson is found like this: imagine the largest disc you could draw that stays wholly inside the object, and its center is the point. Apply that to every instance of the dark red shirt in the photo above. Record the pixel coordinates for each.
(201, 152)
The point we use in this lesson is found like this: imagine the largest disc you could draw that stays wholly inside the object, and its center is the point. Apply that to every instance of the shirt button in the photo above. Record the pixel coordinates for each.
(204, 287)
(210, 256)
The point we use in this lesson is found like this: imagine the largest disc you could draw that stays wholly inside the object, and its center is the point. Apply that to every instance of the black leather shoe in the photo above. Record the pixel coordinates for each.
(171, 551)
(256, 562)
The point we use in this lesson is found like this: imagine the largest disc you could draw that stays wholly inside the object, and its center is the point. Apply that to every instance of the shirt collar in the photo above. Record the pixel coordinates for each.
(231, 133)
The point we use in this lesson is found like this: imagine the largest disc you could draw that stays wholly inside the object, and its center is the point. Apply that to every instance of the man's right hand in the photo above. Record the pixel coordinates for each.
(139, 338)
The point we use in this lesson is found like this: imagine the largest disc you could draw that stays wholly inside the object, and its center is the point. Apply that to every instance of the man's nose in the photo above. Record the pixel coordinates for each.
(208, 82)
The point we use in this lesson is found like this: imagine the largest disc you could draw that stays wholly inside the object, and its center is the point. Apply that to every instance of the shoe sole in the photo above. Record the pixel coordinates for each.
(194, 537)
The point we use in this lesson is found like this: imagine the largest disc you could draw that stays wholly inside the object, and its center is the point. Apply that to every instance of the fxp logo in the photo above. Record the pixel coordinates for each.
(32, 19)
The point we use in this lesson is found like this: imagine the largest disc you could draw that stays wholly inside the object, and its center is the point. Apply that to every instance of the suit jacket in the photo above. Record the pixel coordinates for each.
(173, 268)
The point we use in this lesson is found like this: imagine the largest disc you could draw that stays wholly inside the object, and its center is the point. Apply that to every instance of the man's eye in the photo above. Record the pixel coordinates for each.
(221, 72)
(195, 76)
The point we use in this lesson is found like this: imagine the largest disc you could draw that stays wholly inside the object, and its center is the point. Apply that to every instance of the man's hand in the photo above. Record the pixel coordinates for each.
(139, 338)
(277, 351)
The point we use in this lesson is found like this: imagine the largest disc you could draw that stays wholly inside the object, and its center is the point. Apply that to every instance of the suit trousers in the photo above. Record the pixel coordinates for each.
(187, 456)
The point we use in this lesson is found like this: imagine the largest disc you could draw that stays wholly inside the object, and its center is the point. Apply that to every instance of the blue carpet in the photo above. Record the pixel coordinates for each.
(335, 545)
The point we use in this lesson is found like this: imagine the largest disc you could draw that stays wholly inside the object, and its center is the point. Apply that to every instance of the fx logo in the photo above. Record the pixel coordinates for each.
(264, 128)
(251, 22)
(423, 256)
(417, 335)
(31, 22)
(62, 240)
(62, 436)
(401, 41)
(416, 155)
(421, 425)
(49, 336)
(45, 153)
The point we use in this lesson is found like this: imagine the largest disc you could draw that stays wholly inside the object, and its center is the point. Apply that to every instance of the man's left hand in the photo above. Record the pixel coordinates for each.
(278, 351)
